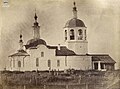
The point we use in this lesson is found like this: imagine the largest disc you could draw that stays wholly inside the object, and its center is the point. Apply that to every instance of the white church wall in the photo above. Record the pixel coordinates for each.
(63, 62)
(13, 63)
(9, 65)
(75, 62)
(27, 63)
(49, 54)
(79, 62)
(14, 66)
(78, 47)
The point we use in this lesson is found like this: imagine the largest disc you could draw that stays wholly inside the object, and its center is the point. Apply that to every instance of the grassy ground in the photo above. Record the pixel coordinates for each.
(60, 80)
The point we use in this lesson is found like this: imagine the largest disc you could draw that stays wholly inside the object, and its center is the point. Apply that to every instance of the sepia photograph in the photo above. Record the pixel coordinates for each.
(59, 44)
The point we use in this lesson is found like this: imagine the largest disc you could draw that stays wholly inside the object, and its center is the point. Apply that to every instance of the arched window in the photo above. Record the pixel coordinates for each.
(37, 62)
(72, 36)
(19, 63)
(42, 54)
(65, 34)
(85, 35)
(49, 63)
(58, 63)
(80, 34)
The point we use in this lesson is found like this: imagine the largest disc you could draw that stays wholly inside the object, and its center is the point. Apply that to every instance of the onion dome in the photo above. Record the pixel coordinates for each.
(34, 43)
(75, 23)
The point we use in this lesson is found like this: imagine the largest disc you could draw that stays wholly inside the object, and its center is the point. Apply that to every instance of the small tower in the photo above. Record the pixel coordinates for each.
(17, 60)
(75, 34)
(36, 28)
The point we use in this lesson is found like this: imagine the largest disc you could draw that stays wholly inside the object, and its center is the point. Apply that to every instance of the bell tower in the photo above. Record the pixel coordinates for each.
(75, 34)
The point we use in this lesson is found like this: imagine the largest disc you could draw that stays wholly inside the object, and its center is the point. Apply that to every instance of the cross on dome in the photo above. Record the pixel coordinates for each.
(74, 8)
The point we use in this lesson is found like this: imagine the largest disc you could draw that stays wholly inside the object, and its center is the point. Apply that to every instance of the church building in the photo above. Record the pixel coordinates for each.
(36, 54)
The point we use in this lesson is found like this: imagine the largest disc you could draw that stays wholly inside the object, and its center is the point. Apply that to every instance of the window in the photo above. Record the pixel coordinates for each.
(102, 66)
(58, 63)
(19, 63)
(72, 37)
(80, 34)
(65, 60)
(37, 62)
(42, 54)
(96, 66)
(85, 35)
(49, 63)
(65, 34)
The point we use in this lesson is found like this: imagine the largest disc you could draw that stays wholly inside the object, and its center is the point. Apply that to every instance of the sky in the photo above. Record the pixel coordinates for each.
(101, 17)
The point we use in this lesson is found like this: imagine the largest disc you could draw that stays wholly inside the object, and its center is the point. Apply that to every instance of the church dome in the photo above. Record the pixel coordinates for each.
(75, 23)
(35, 42)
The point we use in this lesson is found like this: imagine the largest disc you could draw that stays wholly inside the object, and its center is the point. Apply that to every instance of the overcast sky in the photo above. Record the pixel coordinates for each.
(102, 18)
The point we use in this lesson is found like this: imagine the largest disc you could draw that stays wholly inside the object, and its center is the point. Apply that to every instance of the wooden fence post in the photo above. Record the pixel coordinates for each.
(86, 86)
(66, 86)
(44, 86)
(24, 87)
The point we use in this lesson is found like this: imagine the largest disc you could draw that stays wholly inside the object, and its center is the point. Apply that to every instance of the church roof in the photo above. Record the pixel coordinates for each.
(20, 53)
(64, 51)
(74, 23)
(34, 43)
(104, 58)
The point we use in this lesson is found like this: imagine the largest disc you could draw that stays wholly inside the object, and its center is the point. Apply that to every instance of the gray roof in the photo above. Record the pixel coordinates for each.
(64, 51)
(105, 58)
(20, 53)
(75, 23)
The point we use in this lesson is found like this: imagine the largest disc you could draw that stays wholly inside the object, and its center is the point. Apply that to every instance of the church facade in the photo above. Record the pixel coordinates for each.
(37, 55)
